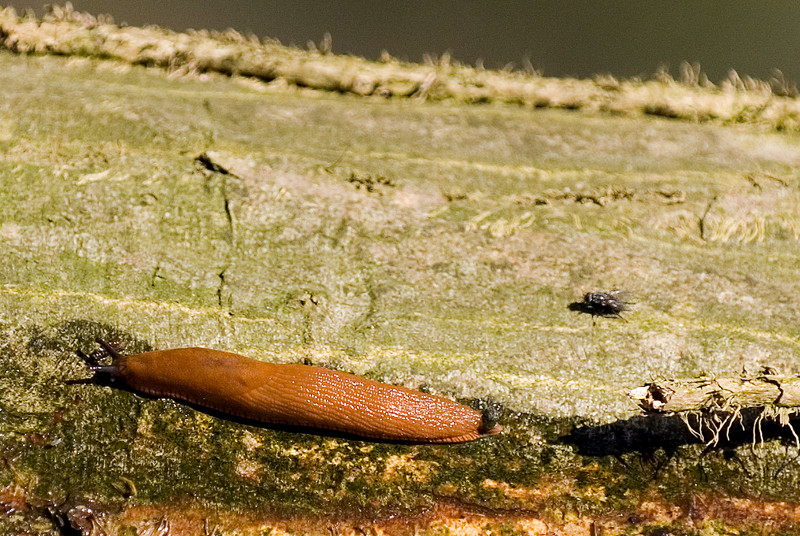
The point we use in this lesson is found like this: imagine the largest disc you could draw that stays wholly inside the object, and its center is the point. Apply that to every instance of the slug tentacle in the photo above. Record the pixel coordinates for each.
(297, 395)
(111, 371)
(111, 349)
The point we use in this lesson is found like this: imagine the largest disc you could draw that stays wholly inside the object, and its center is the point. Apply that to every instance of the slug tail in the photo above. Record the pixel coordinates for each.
(496, 429)
(489, 417)
(471, 436)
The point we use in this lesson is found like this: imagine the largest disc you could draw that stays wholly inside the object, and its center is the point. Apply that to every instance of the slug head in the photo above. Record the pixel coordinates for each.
(104, 372)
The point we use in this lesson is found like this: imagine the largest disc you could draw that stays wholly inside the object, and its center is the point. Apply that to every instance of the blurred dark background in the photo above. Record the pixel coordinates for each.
(558, 37)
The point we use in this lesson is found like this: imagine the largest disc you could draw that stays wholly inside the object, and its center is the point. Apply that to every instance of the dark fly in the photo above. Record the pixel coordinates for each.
(609, 304)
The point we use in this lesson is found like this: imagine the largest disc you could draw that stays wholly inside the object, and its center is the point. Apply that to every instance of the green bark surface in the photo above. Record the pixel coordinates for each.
(431, 244)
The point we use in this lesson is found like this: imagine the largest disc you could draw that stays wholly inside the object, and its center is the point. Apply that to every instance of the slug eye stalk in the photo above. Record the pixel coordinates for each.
(107, 349)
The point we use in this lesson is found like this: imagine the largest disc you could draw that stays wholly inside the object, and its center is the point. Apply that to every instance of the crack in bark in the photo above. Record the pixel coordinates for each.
(221, 286)
(701, 224)
(208, 162)
(156, 275)
(231, 239)
(777, 384)
(228, 215)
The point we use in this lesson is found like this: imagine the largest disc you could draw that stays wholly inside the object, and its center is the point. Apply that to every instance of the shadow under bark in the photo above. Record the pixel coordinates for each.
(646, 434)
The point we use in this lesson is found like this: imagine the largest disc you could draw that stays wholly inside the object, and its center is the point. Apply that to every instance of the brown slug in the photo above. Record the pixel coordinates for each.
(295, 395)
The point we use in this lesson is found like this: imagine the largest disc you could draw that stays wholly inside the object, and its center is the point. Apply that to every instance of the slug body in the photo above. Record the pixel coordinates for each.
(298, 395)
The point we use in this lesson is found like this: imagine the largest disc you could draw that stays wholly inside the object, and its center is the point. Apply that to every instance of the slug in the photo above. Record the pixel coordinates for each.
(295, 395)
